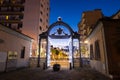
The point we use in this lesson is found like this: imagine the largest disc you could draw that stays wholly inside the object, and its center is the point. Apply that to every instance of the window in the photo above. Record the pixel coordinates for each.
(91, 52)
(47, 8)
(7, 17)
(40, 20)
(46, 26)
(1, 1)
(13, 1)
(23, 52)
(41, 12)
(40, 28)
(9, 25)
(97, 50)
(47, 14)
(19, 25)
(41, 5)
(46, 20)
(118, 16)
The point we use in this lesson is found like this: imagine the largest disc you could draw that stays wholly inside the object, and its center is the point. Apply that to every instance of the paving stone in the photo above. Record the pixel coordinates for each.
(49, 74)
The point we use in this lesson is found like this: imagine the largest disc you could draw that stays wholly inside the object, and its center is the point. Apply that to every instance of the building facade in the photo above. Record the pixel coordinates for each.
(26, 16)
(103, 46)
(89, 18)
(11, 13)
(85, 26)
(15, 49)
(36, 20)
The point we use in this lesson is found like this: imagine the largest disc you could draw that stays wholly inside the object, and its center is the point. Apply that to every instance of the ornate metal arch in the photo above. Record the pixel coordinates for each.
(60, 23)
(45, 35)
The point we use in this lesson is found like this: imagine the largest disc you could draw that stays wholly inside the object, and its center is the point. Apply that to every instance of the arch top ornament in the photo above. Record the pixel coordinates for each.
(58, 32)
(60, 23)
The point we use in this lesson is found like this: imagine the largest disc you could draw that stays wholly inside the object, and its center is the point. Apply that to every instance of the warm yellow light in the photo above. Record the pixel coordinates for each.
(86, 41)
(13, 1)
(7, 17)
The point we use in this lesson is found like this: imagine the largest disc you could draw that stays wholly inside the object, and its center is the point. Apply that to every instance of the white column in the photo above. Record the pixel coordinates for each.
(70, 52)
(48, 54)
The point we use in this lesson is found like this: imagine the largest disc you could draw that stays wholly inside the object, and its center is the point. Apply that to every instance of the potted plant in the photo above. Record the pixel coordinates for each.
(56, 67)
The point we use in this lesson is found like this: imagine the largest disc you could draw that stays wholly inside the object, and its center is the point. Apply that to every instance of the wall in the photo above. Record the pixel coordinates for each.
(14, 42)
(97, 34)
(112, 35)
(3, 58)
(35, 21)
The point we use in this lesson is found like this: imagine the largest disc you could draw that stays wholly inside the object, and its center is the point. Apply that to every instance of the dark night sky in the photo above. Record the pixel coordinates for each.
(71, 10)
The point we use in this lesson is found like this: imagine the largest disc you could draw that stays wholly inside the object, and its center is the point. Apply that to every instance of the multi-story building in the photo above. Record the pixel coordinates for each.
(36, 20)
(11, 13)
(27, 17)
(89, 18)
(85, 26)
(30, 17)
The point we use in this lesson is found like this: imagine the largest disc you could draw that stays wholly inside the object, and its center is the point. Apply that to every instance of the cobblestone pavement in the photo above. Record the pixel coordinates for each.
(49, 74)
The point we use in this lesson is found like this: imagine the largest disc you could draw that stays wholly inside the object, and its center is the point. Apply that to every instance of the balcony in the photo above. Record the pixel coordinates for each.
(12, 10)
(10, 21)
(83, 26)
(20, 1)
(11, 5)
(11, 13)
(83, 21)
(13, 2)
(14, 26)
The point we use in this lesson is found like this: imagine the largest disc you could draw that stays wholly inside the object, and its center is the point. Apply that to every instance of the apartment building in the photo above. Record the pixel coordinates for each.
(89, 18)
(36, 20)
(11, 13)
(26, 18)
(30, 17)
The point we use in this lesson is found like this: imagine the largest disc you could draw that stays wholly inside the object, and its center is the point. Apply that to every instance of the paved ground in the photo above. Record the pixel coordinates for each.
(49, 74)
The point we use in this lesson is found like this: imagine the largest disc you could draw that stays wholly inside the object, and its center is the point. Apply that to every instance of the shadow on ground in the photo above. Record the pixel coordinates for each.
(49, 74)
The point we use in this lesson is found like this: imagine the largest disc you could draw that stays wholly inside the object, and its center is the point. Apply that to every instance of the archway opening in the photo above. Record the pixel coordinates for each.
(60, 50)
(60, 46)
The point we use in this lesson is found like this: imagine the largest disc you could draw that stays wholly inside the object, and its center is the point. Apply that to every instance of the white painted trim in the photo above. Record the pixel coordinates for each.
(15, 33)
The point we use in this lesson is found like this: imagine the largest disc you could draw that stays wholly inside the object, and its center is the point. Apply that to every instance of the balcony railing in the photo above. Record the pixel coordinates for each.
(12, 10)
(11, 13)
(20, 1)
(10, 21)
(11, 5)
(13, 2)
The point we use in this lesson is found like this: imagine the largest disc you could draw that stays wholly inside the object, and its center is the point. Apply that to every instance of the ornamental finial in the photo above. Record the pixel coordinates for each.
(59, 18)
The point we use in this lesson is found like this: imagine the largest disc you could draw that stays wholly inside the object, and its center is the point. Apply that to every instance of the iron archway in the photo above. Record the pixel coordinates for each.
(59, 34)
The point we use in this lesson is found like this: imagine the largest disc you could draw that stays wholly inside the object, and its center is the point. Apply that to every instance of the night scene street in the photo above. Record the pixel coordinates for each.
(59, 39)
(49, 74)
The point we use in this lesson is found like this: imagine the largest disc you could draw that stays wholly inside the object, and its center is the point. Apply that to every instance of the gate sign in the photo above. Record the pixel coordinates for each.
(12, 55)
